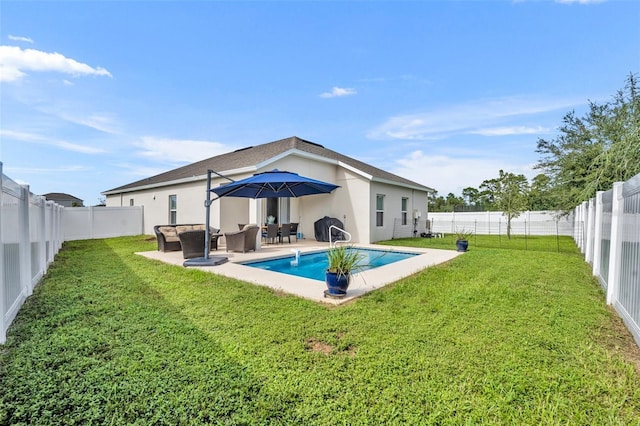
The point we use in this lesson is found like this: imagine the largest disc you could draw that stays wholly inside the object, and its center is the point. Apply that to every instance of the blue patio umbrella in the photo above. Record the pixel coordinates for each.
(274, 184)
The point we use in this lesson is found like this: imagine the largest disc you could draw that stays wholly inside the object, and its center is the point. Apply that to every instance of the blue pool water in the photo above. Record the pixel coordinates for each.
(314, 265)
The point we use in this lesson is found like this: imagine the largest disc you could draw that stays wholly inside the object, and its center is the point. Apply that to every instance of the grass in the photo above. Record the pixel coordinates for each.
(559, 244)
(495, 336)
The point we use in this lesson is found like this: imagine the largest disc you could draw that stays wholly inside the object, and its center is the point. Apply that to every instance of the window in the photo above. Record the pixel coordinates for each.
(131, 201)
(173, 209)
(403, 209)
(379, 210)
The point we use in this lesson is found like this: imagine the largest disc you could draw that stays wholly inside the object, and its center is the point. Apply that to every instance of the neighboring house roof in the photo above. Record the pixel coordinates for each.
(59, 196)
(254, 157)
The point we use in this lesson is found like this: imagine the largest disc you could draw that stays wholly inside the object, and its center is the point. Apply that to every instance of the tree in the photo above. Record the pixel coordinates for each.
(510, 194)
(453, 202)
(436, 203)
(540, 193)
(592, 152)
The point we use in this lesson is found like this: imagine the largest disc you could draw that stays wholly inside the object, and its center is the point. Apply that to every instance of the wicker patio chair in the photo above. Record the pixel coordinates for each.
(242, 241)
(192, 243)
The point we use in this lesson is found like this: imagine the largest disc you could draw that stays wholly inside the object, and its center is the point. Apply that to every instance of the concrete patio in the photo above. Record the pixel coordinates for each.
(361, 283)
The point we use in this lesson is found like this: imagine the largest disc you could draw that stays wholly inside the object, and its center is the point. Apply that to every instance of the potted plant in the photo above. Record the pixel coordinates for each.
(462, 239)
(343, 261)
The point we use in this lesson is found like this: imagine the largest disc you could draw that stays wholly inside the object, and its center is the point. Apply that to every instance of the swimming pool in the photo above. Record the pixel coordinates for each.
(314, 265)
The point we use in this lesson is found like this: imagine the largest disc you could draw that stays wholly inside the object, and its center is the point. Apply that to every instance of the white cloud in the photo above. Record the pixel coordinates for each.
(465, 118)
(179, 150)
(134, 169)
(46, 170)
(16, 62)
(19, 38)
(448, 174)
(35, 138)
(103, 122)
(337, 92)
(509, 131)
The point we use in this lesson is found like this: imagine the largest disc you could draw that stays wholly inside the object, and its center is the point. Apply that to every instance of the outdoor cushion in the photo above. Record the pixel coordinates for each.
(183, 228)
(169, 233)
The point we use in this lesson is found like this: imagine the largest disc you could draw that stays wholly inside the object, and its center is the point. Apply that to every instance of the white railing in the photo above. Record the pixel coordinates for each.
(608, 234)
(334, 243)
(30, 236)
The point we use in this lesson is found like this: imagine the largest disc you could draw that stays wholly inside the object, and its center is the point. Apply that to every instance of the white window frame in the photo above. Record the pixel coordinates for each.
(173, 209)
(404, 214)
(380, 210)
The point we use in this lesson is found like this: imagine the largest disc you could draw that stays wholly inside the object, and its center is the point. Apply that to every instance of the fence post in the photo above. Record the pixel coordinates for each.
(613, 281)
(590, 223)
(142, 220)
(24, 237)
(42, 207)
(597, 235)
(3, 307)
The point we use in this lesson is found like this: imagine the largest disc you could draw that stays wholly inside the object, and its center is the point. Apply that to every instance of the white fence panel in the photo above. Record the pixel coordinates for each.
(84, 223)
(27, 224)
(494, 223)
(616, 254)
(627, 302)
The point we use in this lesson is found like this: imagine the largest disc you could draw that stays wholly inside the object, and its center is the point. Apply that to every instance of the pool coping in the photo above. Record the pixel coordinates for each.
(361, 283)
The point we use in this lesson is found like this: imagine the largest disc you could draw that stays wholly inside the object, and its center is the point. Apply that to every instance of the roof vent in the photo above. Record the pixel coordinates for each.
(311, 143)
(243, 149)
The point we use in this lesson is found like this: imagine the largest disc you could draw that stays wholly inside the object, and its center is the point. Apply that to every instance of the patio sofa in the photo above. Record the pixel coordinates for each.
(169, 240)
(244, 240)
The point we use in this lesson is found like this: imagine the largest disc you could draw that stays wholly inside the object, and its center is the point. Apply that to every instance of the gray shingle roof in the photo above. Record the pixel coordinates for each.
(251, 156)
(60, 196)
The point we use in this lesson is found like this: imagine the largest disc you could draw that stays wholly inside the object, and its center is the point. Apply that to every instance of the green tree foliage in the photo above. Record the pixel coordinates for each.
(510, 194)
(593, 152)
(438, 203)
(541, 193)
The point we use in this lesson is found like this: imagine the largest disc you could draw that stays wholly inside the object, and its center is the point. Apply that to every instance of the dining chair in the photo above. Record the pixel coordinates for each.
(285, 232)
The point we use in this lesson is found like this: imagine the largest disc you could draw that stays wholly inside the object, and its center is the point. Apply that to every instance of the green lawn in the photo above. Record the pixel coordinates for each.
(495, 336)
(560, 244)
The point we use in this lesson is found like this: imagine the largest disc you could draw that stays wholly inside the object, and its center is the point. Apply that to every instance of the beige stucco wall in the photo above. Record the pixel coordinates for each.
(393, 207)
(306, 210)
(353, 203)
(190, 203)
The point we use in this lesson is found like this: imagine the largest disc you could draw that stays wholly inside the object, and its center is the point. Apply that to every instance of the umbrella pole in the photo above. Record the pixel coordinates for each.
(207, 205)
(206, 260)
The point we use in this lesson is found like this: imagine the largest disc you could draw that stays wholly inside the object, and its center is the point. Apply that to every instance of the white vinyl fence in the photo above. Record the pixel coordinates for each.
(86, 223)
(32, 231)
(30, 236)
(607, 231)
(495, 223)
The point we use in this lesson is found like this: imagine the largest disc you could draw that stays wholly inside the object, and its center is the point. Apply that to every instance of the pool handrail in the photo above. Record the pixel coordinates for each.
(332, 244)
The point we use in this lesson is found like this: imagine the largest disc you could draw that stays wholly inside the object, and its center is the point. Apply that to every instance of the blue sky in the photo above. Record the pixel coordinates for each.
(95, 95)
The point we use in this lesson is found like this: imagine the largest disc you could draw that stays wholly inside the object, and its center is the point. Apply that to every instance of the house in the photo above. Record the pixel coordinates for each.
(64, 200)
(368, 201)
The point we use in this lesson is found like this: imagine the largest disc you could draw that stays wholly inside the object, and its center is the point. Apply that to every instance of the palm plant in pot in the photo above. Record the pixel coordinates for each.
(462, 239)
(343, 261)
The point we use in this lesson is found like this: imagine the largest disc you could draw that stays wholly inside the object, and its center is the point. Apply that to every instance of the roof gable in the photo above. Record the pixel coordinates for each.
(252, 156)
